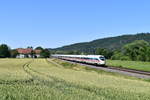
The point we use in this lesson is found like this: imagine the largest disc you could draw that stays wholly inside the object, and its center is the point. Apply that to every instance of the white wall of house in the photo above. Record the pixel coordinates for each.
(29, 56)
(38, 55)
(20, 56)
(23, 56)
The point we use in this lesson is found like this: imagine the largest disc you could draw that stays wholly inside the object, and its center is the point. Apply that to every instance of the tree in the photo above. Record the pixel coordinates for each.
(105, 52)
(32, 53)
(39, 48)
(117, 55)
(148, 54)
(45, 53)
(137, 50)
(14, 53)
(30, 47)
(4, 51)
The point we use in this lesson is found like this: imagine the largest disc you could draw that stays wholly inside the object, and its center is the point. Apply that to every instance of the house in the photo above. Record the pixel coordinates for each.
(28, 53)
(37, 53)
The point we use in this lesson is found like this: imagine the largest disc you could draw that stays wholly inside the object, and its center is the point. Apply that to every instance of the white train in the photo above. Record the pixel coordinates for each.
(91, 59)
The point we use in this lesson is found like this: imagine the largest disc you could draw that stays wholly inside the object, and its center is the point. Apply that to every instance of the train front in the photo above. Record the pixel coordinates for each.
(102, 60)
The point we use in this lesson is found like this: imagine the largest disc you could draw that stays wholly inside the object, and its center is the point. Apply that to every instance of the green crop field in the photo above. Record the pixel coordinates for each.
(41, 79)
(145, 66)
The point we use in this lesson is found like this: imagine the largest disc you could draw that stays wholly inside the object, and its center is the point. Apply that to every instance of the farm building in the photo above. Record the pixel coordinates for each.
(28, 53)
(37, 53)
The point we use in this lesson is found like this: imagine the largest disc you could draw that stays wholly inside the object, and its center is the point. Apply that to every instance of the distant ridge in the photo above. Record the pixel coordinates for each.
(111, 43)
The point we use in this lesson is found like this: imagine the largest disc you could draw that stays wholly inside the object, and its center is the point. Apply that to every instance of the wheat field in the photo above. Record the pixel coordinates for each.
(51, 79)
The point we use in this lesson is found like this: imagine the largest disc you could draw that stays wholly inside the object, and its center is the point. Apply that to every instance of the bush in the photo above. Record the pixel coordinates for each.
(125, 58)
(117, 55)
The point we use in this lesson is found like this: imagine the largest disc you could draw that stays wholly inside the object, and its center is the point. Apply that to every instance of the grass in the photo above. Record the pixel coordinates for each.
(144, 66)
(39, 79)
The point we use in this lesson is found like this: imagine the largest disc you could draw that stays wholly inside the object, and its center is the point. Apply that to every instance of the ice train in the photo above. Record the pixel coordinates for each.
(90, 59)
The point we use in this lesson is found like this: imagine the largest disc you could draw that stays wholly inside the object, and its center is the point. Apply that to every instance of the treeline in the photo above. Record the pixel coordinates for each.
(7, 52)
(139, 50)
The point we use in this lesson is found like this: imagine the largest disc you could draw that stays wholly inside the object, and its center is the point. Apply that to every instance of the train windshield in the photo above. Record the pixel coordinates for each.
(102, 58)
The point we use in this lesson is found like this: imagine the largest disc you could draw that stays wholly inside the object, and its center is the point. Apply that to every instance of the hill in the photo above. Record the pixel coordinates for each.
(111, 43)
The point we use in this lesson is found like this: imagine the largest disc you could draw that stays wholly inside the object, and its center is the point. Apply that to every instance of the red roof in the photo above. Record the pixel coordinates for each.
(24, 51)
(28, 51)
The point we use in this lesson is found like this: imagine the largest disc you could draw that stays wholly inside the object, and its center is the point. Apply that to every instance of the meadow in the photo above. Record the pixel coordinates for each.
(52, 79)
(138, 65)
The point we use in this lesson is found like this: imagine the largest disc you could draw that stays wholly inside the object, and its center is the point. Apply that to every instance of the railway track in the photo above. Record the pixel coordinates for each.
(130, 70)
(126, 71)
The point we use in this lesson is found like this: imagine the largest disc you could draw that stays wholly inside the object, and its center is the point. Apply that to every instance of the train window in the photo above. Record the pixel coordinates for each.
(102, 58)
(95, 59)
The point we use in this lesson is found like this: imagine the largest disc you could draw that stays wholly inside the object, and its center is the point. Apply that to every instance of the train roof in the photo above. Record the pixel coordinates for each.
(78, 55)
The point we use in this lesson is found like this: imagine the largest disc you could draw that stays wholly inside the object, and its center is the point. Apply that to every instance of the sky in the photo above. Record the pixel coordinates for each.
(55, 23)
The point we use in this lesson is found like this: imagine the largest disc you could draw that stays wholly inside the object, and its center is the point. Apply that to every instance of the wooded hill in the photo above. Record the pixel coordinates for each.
(111, 43)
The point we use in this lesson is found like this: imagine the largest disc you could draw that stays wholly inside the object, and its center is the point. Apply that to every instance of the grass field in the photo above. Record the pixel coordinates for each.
(40, 79)
(145, 66)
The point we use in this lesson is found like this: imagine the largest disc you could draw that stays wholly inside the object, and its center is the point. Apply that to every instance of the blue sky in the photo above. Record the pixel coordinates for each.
(54, 23)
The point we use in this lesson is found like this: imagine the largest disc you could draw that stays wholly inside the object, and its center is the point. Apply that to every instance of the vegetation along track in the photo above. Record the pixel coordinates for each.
(126, 71)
